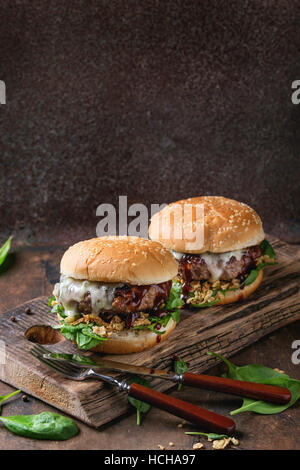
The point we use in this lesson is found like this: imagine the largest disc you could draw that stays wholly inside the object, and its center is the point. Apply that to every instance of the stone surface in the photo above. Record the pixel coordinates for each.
(154, 100)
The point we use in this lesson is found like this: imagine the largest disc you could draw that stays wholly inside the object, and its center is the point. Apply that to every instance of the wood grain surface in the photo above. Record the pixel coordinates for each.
(224, 329)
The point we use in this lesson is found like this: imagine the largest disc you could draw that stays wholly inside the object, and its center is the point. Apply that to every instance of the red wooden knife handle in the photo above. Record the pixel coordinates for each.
(192, 413)
(239, 387)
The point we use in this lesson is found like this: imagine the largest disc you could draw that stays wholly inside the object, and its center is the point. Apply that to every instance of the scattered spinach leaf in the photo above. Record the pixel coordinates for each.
(209, 435)
(3, 398)
(141, 407)
(180, 367)
(264, 375)
(47, 425)
(4, 250)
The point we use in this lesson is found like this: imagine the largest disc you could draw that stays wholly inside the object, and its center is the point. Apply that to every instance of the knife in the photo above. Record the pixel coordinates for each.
(253, 390)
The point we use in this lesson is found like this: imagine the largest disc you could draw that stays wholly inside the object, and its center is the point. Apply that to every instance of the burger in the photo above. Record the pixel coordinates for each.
(220, 246)
(115, 294)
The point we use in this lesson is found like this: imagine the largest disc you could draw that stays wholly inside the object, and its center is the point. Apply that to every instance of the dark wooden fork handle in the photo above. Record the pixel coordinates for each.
(192, 413)
(239, 387)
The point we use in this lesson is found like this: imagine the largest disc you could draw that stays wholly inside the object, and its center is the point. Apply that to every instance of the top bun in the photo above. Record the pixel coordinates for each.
(131, 260)
(221, 225)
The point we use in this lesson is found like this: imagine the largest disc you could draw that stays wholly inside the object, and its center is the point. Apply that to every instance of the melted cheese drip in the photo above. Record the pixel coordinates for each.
(69, 292)
(215, 261)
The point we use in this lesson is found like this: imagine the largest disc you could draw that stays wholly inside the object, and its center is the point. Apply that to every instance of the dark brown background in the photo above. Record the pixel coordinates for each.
(157, 100)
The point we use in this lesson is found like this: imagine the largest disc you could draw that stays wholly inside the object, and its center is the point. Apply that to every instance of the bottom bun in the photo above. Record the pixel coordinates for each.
(131, 341)
(241, 294)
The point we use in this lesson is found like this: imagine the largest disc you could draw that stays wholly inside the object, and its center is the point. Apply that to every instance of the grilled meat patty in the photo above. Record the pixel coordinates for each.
(194, 267)
(141, 298)
(132, 299)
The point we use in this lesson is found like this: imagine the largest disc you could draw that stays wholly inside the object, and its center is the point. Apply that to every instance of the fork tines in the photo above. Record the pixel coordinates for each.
(61, 367)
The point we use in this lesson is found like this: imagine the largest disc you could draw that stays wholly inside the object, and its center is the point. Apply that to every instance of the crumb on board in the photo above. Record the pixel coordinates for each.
(197, 446)
(221, 444)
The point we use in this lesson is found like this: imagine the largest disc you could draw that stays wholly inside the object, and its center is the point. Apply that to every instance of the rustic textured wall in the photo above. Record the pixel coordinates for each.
(158, 100)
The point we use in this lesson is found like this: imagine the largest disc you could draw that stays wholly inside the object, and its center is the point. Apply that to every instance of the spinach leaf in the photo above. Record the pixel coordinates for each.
(176, 316)
(264, 375)
(86, 339)
(141, 407)
(265, 408)
(175, 302)
(180, 367)
(47, 425)
(162, 321)
(82, 334)
(57, 308)
(3, 398)
(251, 277)
(73, 357)
(209, 435)
(51, 299)
(206, 304)
(4, 250)
(175, 299)
(154, 324)
(267, 249)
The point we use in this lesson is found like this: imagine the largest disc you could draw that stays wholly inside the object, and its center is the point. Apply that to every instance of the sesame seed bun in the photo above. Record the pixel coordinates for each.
(131, 260)
(131, 341)
(221, 225)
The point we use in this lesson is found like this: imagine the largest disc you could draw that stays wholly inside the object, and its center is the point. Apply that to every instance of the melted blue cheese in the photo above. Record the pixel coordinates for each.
(69, 292)
(215, 261)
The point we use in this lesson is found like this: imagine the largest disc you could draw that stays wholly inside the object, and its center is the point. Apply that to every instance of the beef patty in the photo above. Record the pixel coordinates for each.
(131, 299)
(194, 268)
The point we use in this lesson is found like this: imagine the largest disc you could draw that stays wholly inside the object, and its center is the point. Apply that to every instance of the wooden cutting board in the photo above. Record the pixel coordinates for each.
(224, 329)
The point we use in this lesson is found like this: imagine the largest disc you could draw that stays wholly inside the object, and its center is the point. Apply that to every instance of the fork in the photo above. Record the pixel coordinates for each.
(193, 413)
